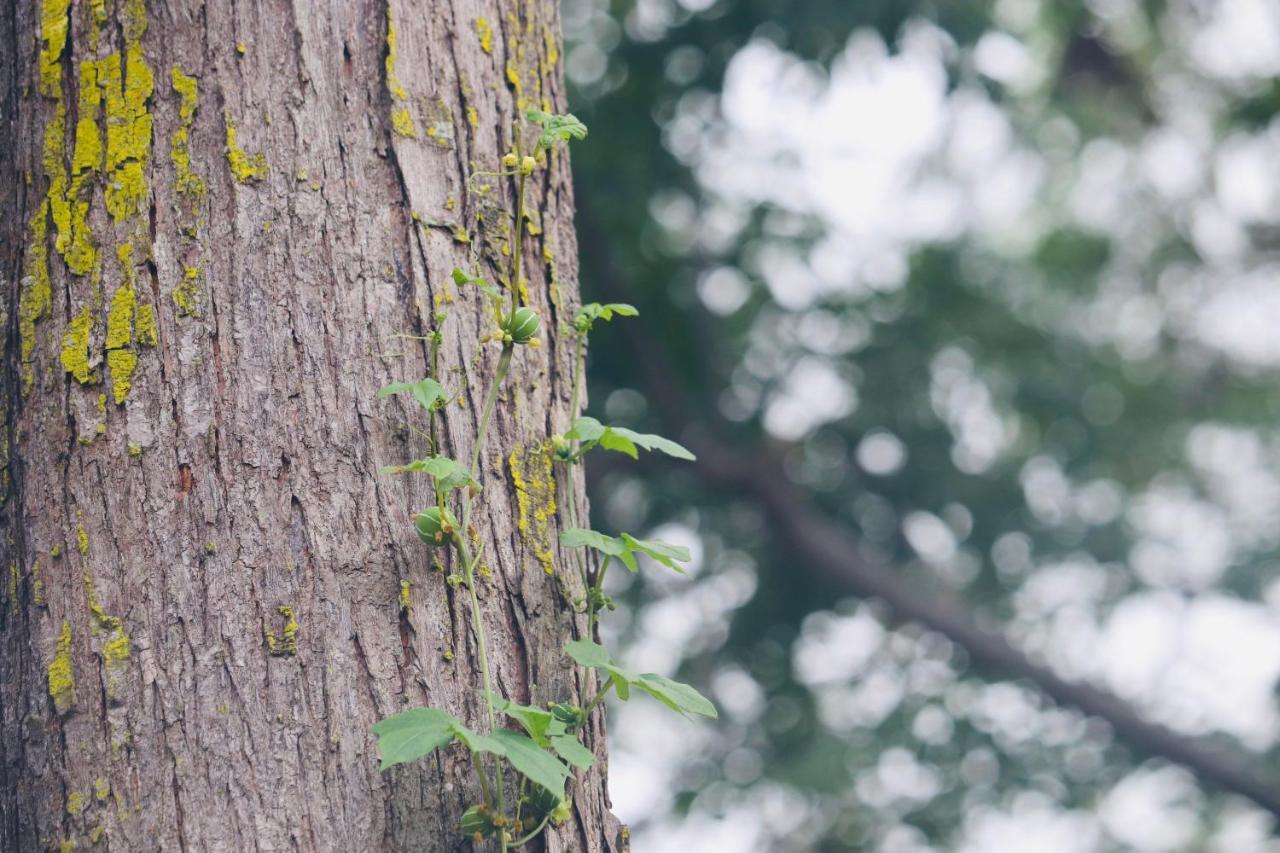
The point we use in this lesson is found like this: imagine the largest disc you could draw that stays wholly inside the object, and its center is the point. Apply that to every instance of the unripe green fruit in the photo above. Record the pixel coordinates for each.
(522, 326)
(435, 527)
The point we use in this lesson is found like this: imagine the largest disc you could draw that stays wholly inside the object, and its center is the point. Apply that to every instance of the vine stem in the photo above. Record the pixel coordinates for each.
(517, 250)
(464, 552)
(599, 697)
(570, 496)
(532, 835)
(469, 565)
(499, 374)
(577, 377)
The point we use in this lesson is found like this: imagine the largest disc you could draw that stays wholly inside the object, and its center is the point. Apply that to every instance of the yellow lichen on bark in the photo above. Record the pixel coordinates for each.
(127, 92)
(535, 485)
(75, 348)
(121, 359)
(187, 295)
(185, 179)
(62, 682)
(287, 644)
(86, 161)
(401, 118)
(116, 648)
(485, 32)
(55, 25)
(245, 167)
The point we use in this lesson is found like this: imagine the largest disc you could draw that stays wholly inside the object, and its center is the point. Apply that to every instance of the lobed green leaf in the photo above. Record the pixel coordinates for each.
(571, 750)
(409, 735)
(588, 430)
(675, 695)
(426, 393)
(557, 128)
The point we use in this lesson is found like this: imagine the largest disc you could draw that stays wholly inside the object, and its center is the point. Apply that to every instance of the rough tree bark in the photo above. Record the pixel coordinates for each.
(218, 218)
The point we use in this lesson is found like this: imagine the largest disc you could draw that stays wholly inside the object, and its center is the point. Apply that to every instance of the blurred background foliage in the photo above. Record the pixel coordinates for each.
(993, 286)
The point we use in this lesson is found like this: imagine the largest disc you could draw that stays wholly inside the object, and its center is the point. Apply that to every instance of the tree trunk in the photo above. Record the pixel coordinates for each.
(221, 221)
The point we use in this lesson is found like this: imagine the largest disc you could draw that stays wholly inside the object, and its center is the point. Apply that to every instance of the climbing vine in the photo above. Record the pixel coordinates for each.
(522, 774)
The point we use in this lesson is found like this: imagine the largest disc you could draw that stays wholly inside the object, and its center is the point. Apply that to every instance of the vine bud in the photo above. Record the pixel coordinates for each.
(562, 812)
(435, 527)
(509, 160)
(527, 165)
(562, 448)
(522, 326)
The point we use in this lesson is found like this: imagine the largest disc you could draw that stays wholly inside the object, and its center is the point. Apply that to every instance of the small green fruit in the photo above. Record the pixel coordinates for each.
(435, 527)
(522, 326)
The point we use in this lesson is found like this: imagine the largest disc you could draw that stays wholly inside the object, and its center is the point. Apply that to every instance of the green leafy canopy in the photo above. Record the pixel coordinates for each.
(675, 695)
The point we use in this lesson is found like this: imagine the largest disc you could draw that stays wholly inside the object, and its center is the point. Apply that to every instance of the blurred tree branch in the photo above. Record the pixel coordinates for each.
(826, 548)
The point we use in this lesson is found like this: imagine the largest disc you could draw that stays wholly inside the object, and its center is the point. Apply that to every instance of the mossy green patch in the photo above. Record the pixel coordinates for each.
(404, 595)
(75, 803)
(62, 682)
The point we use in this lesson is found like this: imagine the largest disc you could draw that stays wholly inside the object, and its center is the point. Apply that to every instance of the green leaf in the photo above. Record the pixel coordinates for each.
(613, 440)
(654, 442)
(571, 750)
(663, 552)
(409, 735)
(557, 128)
(624, 547)
(577, 537)
(462, 279)
(675, 695)
(587, 430)
(586, 316)
(536, 721)
(541, 768)
(448, 473)
(588, 653)
(426, 392)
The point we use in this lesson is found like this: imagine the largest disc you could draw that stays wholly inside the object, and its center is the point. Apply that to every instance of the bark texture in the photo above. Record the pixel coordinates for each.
(219, 218)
